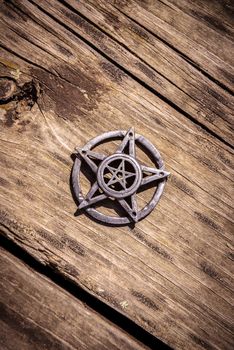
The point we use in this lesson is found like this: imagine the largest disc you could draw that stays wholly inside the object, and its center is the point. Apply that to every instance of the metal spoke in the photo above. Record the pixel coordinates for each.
(157, 174)
(134, 203)
(111, 169)
(131, 211)
(89, 199)
(87, 155)
(115, 178)
(129, 138)
(127, 175)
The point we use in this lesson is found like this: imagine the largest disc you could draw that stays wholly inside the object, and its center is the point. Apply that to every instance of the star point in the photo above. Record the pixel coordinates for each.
(153, 174)
(128, 141)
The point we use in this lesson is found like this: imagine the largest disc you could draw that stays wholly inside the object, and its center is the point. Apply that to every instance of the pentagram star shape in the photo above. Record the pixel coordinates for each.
(119, 176)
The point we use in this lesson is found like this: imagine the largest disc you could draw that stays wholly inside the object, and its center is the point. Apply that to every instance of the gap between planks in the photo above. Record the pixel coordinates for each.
(134, 331)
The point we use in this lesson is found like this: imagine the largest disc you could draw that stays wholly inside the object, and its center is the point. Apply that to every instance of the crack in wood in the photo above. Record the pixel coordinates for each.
(95, 304)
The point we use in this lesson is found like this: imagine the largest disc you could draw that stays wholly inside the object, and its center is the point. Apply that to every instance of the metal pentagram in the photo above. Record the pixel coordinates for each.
(119, 176)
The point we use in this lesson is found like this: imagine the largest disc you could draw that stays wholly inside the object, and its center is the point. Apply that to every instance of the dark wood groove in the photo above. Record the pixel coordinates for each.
(181, 54)
(97, 305)
(21, 34)
(114, 39)
(64, 2)
(138, 80)
(25, 59)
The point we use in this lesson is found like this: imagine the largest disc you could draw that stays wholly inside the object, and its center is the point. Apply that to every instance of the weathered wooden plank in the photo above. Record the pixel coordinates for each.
(150, 60)
(171, 274)
(191, 35)
(37, 314)
(216, 14)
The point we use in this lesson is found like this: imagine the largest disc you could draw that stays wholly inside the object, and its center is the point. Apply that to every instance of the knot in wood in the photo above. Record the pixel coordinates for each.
(7, 89)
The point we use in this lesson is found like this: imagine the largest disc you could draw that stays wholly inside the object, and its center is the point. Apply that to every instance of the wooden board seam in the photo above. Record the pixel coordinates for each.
(81, 294)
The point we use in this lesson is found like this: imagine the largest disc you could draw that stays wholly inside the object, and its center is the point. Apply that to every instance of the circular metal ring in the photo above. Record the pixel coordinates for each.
(148, 147)
(124, 192)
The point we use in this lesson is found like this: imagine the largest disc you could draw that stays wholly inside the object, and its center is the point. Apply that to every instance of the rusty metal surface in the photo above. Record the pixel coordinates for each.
(119, 176)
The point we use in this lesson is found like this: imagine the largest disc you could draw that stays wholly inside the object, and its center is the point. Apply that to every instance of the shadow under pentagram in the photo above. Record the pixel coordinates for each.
(113, 205)
(107, 204)
(150, 185)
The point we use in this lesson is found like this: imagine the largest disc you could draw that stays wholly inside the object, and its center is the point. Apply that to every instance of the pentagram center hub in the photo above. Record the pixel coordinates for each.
(119, 175)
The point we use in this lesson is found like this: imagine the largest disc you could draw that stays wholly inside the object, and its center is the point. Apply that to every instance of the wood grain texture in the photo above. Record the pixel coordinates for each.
(145, 54)
(37, 314)
(172, 273)
(152, 60)
(189, 30)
